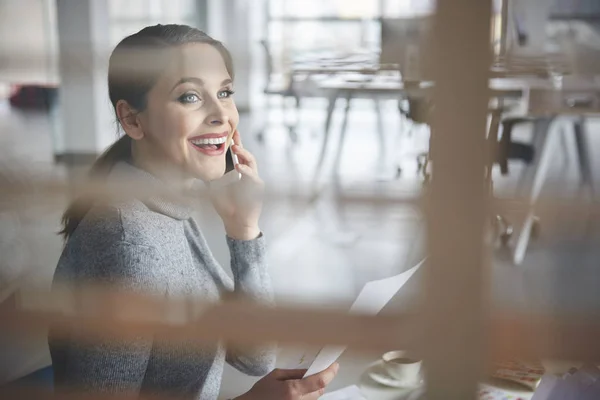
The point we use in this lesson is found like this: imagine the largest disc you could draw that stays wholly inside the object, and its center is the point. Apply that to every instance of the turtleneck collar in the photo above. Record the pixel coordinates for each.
(177, 209)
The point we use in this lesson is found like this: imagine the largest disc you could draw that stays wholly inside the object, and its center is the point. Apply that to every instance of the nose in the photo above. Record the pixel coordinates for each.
(217, 115)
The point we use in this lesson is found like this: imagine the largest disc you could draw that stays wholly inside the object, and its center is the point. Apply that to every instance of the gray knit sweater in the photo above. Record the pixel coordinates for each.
(156, 246)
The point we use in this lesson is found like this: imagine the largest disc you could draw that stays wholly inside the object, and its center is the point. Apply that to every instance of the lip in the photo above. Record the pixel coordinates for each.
(209, 152)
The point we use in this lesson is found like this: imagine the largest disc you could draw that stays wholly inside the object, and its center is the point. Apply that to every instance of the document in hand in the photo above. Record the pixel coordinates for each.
(371, 300)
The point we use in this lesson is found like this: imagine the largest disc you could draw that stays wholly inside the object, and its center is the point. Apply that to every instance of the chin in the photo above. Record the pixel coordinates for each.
(208, 173)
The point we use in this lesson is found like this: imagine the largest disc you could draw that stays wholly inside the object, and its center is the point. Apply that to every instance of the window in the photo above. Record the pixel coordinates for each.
(327, 8)
(407, 8)
(335, 26)
(129, 16)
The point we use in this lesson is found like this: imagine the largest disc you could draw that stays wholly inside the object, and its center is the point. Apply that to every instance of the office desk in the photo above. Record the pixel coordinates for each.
(578, 96)
(385, 87)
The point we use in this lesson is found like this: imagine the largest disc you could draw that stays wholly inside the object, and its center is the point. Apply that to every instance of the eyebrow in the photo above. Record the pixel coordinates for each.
(198, 81)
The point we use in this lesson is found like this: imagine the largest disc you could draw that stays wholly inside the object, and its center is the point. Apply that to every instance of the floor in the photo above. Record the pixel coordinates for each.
(323, 250)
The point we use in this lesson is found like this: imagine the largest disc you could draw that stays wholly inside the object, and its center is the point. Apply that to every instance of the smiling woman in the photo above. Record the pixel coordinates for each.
(191, 100)
(171, 87)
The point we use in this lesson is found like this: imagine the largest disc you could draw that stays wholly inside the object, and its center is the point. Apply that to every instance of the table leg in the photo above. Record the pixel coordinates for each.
(541, 127)
(583, 156)
(338, 156)
(544, 138)
(380, 132)
(585, 167)
(398, 142)
(330, 109)
(492, 139)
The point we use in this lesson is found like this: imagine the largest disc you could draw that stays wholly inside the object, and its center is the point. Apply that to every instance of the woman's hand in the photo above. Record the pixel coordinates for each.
(239, 205)
(287, 384)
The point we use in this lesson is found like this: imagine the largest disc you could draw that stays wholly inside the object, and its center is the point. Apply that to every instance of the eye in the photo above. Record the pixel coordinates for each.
(189, 98)
(224, 94)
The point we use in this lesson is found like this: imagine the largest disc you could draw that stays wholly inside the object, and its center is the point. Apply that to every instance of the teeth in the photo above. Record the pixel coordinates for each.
(220, 140)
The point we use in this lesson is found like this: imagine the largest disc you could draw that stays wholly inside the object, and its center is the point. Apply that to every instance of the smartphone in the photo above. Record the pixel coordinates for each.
(229, 166)
(230, 176)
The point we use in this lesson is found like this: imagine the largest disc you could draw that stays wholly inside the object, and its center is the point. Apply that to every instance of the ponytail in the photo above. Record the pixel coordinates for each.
(118, 151)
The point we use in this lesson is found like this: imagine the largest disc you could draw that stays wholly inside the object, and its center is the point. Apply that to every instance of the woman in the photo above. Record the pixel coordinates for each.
(171, 88)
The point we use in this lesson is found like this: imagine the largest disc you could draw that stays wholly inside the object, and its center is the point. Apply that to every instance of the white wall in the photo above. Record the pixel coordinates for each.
(87, 120)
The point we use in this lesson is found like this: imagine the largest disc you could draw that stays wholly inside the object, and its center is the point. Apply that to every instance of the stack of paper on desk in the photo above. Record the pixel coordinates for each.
(372, 298)
(583, 384)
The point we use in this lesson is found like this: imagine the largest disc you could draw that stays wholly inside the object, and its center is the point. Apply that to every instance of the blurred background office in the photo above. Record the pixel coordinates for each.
(317, 85)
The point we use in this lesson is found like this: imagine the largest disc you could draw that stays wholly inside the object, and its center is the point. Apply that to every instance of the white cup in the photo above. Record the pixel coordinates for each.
(402, 367)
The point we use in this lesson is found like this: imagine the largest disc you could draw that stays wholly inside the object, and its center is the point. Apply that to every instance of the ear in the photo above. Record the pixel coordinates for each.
(129, 119)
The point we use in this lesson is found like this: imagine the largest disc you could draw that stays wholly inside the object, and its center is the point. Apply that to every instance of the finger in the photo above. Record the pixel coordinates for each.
(237, 138)
(230, 139)
(319, 381)
(314, 396)
(287, 374)
(245, 156)
(249, 173)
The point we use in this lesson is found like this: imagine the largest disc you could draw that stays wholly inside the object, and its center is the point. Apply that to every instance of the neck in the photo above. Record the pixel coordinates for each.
(164, 171)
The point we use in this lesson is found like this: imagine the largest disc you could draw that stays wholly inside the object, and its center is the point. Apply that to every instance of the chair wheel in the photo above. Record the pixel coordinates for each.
(504, 230)
(398, 172)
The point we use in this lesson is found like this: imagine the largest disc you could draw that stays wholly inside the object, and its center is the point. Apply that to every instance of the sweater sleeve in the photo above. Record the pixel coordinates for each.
(251, 281)
(110, 366)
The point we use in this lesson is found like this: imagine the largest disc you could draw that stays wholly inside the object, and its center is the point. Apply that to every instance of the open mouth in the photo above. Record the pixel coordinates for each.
(211, 146)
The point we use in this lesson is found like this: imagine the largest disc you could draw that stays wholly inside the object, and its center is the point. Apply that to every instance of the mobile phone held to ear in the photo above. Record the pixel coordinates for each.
(229, 164)
(231, 174)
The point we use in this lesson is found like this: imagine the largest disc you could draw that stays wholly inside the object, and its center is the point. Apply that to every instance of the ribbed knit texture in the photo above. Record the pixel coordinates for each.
(155, 246)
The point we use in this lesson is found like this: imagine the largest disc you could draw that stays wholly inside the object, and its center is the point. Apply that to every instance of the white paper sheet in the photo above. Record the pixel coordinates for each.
(296, 358)
(371, 300)
(324, 359)
(347, 393)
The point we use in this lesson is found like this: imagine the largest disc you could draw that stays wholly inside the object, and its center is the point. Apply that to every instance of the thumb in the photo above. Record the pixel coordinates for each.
(317, 382)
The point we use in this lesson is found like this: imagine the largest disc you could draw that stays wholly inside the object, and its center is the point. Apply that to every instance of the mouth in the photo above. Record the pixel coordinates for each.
(210, 144)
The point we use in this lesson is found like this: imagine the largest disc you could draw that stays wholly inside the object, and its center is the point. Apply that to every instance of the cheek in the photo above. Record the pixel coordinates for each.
(157, 123)
(235, 115)
(185, 124)
(173, 125)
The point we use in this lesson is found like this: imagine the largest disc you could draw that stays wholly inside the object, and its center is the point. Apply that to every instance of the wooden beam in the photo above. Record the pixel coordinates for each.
(104, 313)
(456, 284)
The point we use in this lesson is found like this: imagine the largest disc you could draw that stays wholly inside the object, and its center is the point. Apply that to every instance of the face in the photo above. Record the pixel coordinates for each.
(190, 115)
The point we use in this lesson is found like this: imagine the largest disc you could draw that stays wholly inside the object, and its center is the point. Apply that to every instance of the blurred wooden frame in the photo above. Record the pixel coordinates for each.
(103, 313)
(23, 191)
(454, 329)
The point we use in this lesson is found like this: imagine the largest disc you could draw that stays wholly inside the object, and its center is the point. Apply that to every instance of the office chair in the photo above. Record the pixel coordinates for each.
(281, 86)
(545, 142)
(502, 149)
